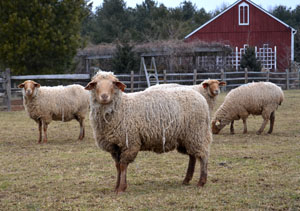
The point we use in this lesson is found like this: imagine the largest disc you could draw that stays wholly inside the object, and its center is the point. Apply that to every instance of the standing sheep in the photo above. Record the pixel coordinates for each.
(60, 103)
(152, 120)
(210, 89)
(261, 98)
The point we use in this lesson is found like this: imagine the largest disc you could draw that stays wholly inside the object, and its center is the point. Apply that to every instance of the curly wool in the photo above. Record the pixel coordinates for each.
(252, 98)
(153, 120)
(211, 101)
(60, 103)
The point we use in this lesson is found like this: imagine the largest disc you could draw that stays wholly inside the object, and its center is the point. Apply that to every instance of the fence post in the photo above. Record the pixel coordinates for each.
(246, 75)
(165, 76)
(131, 81)
(299, 78)
(223, 79)
(195, 77)
(268, 75)
(287, 80)
(7, 88)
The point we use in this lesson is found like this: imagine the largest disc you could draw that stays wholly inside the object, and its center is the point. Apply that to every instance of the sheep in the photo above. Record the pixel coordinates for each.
(257, 98)
(151, 120)
(209, 88)
(60, 103)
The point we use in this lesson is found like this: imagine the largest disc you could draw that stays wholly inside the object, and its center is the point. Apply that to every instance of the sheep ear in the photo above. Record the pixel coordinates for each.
(91, 85)
(21, 85)
(222, 83)
(37, 85)
(120, 85)
(205, 85)
(218, 123)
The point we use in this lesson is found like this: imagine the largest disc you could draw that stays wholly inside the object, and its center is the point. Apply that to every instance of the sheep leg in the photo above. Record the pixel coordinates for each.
(266, 118)
(203, 173)
(272, 120)
(40, 131)
(245, 126)
(118, 175)
(190, 170)
(82, 130)
(122, 183)
(126, 157)
(231, 127)
(45, 126)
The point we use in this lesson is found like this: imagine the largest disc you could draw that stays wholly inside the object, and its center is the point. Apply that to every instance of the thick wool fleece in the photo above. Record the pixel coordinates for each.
(261, 98)
(210, 98)
(61, 103)
(154, 120)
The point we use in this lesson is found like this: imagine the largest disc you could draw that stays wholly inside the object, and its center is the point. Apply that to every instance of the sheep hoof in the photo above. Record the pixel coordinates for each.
(245, 132)
(202, 182)
(258, 133)
(185, 182)
(120, 191)
(232, 132)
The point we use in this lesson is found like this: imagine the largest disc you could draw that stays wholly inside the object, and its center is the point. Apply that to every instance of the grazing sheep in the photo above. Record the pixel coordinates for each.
(209, 88)
(60, 103)
(261, 98)
(152, 120)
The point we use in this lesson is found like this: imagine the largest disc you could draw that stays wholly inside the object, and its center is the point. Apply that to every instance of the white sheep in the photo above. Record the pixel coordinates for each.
(153, 120)
(60, 103)
(260, 98)
(209, 88)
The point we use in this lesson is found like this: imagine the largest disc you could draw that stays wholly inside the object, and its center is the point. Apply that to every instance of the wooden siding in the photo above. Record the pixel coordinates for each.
(262, 29)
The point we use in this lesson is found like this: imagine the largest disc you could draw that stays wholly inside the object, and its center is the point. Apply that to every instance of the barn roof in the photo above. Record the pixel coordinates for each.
(250, 2)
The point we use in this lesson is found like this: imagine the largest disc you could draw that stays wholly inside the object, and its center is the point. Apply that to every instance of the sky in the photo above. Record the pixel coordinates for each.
(211, 5)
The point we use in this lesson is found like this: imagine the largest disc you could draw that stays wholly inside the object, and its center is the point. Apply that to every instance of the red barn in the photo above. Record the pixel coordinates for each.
(246, 24)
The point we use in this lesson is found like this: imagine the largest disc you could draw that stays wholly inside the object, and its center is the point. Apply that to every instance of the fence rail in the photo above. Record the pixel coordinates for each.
(137, 82)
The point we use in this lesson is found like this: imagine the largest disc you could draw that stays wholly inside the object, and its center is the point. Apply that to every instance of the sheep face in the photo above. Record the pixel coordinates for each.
(104, 89)
(29, 88)
(213, 87)
(217, 126)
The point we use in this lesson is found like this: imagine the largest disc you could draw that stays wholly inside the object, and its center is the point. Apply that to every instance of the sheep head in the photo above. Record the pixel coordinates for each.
(213, 86)
(29, 88)
(217, 126)
(104, 85)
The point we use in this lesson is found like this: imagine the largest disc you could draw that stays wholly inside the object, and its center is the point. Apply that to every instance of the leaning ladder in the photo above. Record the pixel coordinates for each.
(151, 73)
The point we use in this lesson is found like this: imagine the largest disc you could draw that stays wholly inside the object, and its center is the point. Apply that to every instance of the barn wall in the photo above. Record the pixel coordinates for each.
(262, 29)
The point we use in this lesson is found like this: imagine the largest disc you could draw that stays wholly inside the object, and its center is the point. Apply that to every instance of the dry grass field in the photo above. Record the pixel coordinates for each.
(246, 172)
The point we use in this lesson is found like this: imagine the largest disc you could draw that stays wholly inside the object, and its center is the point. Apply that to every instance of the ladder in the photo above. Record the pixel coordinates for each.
(151, 73)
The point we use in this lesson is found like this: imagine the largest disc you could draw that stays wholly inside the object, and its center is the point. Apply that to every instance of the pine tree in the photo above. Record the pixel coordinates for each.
(40, 36)
(125, 59)
(249, 60)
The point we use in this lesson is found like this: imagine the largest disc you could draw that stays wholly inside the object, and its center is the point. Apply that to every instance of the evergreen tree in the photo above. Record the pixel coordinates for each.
(112, 21)
(249, 60)
(188, 10)
(40, 36)
(125, 60)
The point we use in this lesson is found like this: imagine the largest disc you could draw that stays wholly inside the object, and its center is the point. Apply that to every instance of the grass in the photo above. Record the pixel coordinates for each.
(246, 172)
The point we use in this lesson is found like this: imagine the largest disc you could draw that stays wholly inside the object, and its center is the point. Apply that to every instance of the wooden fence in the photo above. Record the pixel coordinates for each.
(137, 82)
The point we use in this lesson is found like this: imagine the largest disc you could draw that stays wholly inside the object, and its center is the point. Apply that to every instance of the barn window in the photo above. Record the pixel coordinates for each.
(243, 14)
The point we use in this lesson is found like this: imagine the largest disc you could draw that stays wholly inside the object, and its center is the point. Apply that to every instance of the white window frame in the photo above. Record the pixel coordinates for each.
(243, 5)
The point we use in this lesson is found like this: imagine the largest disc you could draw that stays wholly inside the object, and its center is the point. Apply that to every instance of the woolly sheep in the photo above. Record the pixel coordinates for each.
(260, 98)
(153, 120)
(210, 89)
(60, 103)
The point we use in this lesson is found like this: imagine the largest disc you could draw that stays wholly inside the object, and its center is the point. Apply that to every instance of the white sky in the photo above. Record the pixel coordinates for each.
(210, 5)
